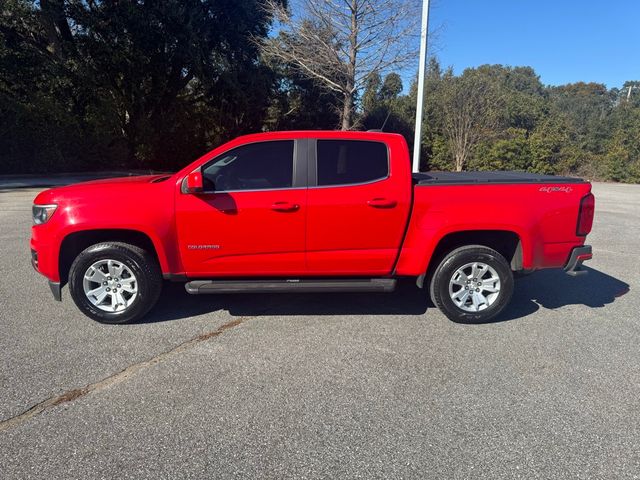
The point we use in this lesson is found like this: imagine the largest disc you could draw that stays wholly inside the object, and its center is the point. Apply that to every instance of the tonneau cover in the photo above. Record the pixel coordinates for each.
(465, 178)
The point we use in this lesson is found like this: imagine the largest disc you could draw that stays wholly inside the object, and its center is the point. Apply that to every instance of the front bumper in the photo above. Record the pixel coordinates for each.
(56, 287)
(34, 260)
(578, 255)
(56, 290)
(41, 256)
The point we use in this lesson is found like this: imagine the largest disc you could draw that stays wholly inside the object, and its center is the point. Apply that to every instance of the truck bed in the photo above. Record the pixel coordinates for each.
(468, 178)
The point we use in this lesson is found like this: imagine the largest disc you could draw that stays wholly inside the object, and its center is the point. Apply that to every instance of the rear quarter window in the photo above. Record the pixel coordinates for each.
(348, 162)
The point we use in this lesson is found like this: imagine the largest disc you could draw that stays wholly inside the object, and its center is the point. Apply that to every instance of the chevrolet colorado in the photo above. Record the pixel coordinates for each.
(308, 211)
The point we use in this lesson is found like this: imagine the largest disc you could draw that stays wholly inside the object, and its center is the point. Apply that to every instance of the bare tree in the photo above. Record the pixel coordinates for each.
(341, 43)
(470, 106)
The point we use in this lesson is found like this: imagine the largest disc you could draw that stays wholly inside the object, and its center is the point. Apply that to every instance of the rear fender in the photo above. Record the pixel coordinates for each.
(421, 249)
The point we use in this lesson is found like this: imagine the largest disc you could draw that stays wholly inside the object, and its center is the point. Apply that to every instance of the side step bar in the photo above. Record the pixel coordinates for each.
(198, 287)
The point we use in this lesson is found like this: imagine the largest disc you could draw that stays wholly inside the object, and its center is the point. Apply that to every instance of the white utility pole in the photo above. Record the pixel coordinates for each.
(421, 69)
(631, 87)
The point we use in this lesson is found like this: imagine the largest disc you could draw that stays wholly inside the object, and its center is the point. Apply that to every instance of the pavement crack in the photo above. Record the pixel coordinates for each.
(131, 370)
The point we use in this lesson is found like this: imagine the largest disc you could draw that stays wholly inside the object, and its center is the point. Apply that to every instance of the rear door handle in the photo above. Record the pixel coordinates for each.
(382, 203)
(285, 207)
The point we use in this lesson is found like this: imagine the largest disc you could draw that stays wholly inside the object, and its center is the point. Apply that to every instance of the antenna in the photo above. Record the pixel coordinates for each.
(381, 129)
(385, 121)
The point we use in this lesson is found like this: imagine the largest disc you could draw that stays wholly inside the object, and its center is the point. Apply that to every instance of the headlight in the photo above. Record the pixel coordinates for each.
(42, 213)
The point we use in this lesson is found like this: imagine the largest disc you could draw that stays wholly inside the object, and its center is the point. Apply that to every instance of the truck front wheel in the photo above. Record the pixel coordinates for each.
(472, 284)
(115, 282)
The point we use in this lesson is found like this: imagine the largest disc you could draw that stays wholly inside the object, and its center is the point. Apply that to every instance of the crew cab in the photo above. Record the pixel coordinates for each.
(308, 211)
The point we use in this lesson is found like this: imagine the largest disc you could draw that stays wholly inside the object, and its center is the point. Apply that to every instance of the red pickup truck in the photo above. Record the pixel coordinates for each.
(308, 211)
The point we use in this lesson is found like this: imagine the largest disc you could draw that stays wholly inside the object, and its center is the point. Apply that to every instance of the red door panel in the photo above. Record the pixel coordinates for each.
(253, 233)
(358, 205)
(355, 230)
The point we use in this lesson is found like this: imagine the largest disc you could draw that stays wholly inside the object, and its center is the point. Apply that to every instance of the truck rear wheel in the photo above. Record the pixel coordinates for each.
(472, 284)
(115, 282)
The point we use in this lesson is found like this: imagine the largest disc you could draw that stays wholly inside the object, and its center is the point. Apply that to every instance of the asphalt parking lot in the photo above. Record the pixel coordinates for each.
(327, 385)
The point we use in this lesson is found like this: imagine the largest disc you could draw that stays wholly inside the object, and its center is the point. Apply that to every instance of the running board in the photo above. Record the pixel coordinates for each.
(198, 287)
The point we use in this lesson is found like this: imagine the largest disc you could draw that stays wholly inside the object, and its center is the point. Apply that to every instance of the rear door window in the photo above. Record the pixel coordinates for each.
(349, 162)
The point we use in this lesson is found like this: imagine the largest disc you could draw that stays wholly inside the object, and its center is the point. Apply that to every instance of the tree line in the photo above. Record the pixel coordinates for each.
(496, 117)
(105, 85)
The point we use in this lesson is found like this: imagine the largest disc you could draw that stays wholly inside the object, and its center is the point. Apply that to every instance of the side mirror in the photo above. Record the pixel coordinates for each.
(194, 183)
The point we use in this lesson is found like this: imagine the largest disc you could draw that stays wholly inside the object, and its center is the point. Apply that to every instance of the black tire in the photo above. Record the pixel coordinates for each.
(141, 263)
(439, 285)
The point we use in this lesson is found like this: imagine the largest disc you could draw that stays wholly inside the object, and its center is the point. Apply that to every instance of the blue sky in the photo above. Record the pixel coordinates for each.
(564, 41)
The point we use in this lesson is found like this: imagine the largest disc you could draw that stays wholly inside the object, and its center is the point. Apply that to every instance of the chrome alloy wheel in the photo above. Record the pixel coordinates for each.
(474, 287)
(110, 286)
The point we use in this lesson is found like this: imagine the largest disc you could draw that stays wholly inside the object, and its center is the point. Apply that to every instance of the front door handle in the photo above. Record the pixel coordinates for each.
(382, 203)
(285, 207)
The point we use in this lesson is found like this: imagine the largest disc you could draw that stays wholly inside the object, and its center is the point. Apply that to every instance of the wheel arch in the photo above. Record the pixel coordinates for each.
(506, 242)
(75, 242)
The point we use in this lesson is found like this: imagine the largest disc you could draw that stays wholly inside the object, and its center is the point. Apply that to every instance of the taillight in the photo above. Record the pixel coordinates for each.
(585, 216)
